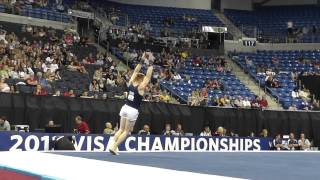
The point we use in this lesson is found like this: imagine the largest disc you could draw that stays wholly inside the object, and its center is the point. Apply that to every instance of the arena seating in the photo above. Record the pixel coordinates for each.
(49, 12)
(288, 63)
(198, 76)
(157, 15)
(272, 21)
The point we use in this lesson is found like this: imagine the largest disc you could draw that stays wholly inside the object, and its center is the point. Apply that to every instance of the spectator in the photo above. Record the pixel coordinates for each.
(246, 103)
(304, 144)
(292, 107)
(4, 87)
(277, 143)
(57, 93)
(32, 80)
(108, 130)
(85, 94)
(81, 126)
(51, 124)
(292, 142)
(4, 124)
(40, 91)
(145, 131)
(94, 86)
(179, 131)
(264, 103)
(264, 133)
(167, 131)
(252, 135)
(206, 131)
(69, 93)
(295, 93)
(219, 131)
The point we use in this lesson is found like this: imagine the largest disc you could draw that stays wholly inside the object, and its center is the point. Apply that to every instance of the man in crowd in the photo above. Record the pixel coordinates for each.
(4, 124)
(179, 131)
(145, 131)
(81, 126)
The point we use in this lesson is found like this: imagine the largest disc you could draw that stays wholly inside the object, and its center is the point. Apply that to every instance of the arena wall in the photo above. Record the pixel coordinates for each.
(234, 4)
(194, 4)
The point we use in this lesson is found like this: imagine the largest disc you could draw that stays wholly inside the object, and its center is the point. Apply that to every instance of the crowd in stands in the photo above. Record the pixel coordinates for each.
(285, 142)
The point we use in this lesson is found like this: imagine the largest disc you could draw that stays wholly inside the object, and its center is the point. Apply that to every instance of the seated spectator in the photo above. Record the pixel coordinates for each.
(295, 93)
(94, 86)
(81, 126)
(32, 80)
(179, 131)
(57, 93)
(98, 74)
(176, 76)
(271, 82)
(85, 94)
(51, 124)
(4, 124)
(305, 105)
(4, 87)
(264, 103)
(206, 131)
(292, 142)
(167, 131)
(255, 103)
(219, 68)
(219, 131)
(197, 62)
(264, 133)
(277, 143)
(145, 131)
(292, 107)
(108, 130)
(204, 92)
(69, 93)
(238, 102)
(111, 81)
(304, 94)
(304, 144)
(246, 103)
(40, 91)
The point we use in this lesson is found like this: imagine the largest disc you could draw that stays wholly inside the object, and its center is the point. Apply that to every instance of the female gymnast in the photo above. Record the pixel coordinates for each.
(130, 111)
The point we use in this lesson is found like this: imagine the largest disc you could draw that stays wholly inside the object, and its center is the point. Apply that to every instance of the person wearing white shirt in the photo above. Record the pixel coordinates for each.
(53, 67)
(246, 103)
(206, 132)
(176, 76)
(304, 143)
(44, 67)
(295, 93)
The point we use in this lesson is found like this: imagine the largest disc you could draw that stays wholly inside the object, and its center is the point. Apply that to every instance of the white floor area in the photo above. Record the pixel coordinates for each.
(74, 168)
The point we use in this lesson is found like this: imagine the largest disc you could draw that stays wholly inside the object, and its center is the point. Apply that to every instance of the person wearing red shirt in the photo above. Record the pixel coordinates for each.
(82, 126)
(263, 102)
(69, 93)
(40, 91)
